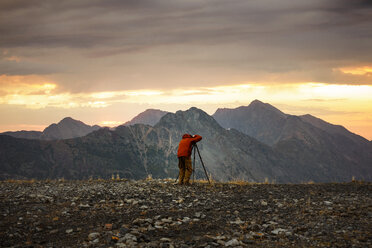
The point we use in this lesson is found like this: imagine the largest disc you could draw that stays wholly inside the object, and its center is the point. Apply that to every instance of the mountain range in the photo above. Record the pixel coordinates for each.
(247, 143)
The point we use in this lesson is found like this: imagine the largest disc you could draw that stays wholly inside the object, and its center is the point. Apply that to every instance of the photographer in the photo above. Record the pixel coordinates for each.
(184, 157)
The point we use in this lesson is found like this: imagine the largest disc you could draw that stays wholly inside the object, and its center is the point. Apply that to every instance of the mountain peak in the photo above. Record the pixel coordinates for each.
(257, 102)
(67, 120)
(189, 120)
(148, 117)
(195, 109)
(67, 128)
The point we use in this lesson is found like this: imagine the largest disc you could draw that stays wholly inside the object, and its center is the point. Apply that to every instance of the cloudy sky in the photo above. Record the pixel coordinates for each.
(103, 62)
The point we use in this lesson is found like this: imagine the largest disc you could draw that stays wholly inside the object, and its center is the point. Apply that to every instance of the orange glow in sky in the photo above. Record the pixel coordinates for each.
(357, 70)
(348, 105)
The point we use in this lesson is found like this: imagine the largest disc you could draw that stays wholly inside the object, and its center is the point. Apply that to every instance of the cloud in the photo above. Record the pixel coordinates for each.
(141, 44)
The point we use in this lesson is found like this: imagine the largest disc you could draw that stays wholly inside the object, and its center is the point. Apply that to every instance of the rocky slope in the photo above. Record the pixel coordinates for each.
(158, 214)
(148, 117)
(317, 146)
(258, 120)
(67, 128)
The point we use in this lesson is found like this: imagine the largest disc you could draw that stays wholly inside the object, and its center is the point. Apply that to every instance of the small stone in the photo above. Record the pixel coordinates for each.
(238, 221)
(84, 206)
(123, 231)
(169, 220)
(186, 219)
(95, 241)
(263, 203)
(93, 236)
(165, 240)
(233, 242)
(327, 203)
(220, 242)
(278, 230)
(130, 237)
(69, 231)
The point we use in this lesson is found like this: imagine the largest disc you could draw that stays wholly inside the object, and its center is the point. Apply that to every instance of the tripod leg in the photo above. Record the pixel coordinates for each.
(205, 171)
(193, 168)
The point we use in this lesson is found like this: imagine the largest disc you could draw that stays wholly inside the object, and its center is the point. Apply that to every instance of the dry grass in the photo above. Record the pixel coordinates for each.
(240, 182)
(20, 181)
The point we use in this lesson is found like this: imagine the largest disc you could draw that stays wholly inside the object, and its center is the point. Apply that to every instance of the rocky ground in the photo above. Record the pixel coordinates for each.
(156, 213)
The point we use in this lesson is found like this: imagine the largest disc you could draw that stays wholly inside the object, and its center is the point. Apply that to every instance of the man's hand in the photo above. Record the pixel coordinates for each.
(193, 136)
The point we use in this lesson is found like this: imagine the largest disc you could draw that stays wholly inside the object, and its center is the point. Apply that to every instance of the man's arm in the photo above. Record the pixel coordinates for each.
(196, 138)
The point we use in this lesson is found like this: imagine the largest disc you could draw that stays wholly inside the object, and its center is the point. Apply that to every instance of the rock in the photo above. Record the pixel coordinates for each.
(221, 242)
(278, 231)
(186, 219)
(93, 235)
(84, 206)
(129, 237)
(327, 203)
(96, 241)
(123, 231)
(263, 203)
(69, 231)
(238, 221)
(232, 242)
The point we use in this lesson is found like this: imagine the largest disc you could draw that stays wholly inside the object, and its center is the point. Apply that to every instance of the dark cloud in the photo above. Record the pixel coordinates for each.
(140, 41)
(26, 68)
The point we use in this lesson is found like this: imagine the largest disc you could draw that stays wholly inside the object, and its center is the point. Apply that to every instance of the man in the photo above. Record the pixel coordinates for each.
(184, 157)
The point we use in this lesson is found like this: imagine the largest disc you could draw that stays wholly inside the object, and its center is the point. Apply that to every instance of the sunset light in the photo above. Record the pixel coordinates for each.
(226, 57)
(357, 70)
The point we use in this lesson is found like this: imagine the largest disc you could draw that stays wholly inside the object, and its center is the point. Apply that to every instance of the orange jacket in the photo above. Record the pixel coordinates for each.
(185, 146)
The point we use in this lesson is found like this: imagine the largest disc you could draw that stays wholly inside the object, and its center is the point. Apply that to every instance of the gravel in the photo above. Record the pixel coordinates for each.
(156, 213)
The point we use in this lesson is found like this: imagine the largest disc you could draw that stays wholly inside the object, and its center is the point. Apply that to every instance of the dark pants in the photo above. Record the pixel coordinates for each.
(185, 166)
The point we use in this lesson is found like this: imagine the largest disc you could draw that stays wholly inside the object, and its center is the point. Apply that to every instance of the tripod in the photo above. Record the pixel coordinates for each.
(196, 148)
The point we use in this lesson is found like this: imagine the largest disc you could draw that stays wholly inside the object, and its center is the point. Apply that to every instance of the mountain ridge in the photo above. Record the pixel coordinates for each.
(67, 128)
